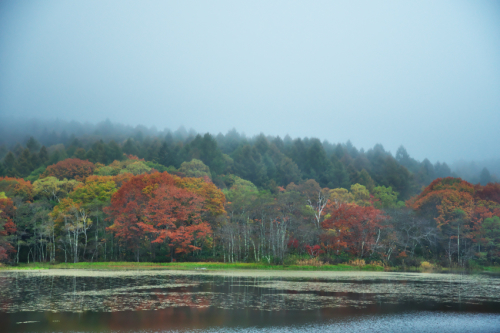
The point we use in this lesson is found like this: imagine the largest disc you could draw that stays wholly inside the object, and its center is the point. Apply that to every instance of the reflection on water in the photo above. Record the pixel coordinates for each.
(421, 322)
(178, 300)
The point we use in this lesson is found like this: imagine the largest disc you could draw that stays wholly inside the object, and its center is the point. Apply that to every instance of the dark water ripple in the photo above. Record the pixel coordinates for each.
(157, 301)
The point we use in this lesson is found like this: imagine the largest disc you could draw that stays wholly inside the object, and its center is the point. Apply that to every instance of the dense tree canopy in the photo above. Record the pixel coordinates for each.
(183, 196)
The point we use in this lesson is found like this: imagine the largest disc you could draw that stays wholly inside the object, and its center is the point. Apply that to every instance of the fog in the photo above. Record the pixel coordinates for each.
(425, 75)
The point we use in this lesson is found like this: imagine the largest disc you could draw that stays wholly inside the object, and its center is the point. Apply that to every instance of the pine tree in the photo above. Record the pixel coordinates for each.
(24, 166)
(33, 145)
(114, 152)
(9, 161)
(485, 177)
(43, 155)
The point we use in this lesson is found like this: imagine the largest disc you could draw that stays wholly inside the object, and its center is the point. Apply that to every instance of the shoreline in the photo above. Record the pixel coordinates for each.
(187, 266)
(215, 266)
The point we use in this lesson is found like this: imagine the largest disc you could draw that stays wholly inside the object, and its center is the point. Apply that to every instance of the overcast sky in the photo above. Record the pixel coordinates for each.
(424, 74)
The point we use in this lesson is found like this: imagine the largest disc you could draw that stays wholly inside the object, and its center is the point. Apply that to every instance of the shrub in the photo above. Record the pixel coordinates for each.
(310, 262)
(357, 262)
(377, 263)
(427, 266)
(473, 265)
(292, 259)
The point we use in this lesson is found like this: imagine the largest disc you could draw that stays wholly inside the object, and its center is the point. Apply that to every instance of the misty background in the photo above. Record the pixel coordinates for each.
(423, 75)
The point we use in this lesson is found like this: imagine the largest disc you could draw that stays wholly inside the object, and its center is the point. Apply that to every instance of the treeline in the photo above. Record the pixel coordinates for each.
(231, 198)
(267, 162)
(74, 213)
(15, 136)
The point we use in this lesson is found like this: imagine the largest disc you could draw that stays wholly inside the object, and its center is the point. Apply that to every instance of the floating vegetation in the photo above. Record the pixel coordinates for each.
(110, 291)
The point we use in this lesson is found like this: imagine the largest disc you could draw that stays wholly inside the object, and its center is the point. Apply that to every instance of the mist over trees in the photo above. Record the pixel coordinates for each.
(260, 159)
(122, 193)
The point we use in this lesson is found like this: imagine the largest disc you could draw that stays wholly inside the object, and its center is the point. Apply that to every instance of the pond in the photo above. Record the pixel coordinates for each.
(234, 301)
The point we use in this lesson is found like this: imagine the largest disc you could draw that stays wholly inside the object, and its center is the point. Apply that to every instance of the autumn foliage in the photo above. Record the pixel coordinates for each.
(71, 168)
(99, 188)
(314, 251)
(163, 208)
(7, 226)
(459, 210)
(174, 214)
(447, 199)
(126, 207)
(353, 228)
(14, 187)
(214, 199)
(489, 192)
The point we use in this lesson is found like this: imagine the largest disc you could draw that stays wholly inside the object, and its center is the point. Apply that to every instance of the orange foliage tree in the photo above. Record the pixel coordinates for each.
(353, 228)
(162, 206)
(174, 214)
(443, 197)
(214, 199)
(14, 187)
(70, 168)
(459, 208)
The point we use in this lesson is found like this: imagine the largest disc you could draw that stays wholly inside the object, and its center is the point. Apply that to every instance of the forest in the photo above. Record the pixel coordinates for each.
(118, 194)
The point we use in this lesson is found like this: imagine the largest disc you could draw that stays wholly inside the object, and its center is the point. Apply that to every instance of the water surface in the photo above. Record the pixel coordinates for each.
(233, 301)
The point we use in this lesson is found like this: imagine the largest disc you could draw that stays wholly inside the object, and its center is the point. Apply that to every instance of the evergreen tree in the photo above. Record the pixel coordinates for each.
(403, 158)
(100, 153)
(80, 154)
(43, 156)
(365, 180)
(90, 156)
(426, 174)
(3, 151)
(485, 177)
(33, 145)
(442, 170)
(130, 148)
(205, 148)
(163, 154)
(35, 161)
(9, 161)
(261, 144)
(247, 165)
(113, 152)
(24, 166)
(297, 153)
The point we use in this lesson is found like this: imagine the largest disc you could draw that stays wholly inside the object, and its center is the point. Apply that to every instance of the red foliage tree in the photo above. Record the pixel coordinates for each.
(175, 214)
(490, 192)
(314, 251)
(7, 227)
(71, 168)
(155, 205)
(128, 204)
(353, 228)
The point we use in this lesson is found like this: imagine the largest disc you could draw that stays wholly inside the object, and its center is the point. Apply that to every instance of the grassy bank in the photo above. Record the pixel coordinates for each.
(229, 266)
(189, 266)
(493, 269)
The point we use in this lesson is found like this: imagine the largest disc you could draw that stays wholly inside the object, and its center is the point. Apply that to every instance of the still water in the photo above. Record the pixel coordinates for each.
(237, 301)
